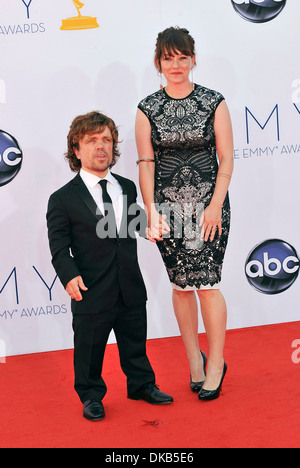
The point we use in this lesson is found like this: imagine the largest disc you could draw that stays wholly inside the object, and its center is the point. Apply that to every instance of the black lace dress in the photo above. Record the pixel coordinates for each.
(186, 167)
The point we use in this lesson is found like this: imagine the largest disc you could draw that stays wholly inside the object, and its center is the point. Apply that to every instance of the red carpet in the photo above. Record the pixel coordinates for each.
(259, 406)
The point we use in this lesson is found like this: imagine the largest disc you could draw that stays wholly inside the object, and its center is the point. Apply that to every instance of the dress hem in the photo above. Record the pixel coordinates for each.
(195, 288)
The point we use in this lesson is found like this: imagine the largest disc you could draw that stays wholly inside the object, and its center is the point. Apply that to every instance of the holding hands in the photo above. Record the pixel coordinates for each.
(210, 224)
(157, 226)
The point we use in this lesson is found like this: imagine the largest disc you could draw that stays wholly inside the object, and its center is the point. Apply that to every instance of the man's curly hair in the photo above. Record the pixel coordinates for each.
(93, 122)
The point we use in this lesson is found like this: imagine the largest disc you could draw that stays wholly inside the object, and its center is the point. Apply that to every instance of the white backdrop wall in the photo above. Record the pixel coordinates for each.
(48, 76)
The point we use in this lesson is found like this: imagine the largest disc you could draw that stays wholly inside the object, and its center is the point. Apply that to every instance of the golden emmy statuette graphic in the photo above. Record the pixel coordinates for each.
(79, 22)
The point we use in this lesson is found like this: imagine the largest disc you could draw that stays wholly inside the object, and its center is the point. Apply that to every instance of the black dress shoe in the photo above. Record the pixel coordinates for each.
(151, 394)
(197, 386)
(208, 395)
(93, 410)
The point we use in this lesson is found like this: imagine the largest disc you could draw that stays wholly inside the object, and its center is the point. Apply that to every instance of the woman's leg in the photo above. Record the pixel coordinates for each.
(214, 314)
(186, 312)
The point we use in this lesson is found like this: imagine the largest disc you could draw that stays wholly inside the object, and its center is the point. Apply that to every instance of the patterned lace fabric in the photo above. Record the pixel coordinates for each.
(186, 167)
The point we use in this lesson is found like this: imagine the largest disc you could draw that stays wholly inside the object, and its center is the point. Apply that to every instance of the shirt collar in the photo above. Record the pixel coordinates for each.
(92, 180)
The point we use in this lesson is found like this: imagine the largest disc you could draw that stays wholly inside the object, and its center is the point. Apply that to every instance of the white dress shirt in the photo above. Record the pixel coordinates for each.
(114, 189)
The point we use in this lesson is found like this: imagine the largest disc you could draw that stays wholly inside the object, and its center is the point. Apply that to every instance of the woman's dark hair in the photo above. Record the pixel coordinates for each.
(173, 40)
(94, 122)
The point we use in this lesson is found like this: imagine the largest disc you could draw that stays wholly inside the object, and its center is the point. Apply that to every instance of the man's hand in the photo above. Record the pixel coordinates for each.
(74, 286)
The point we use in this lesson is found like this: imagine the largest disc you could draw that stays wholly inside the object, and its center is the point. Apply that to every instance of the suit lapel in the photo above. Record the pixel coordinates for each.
(86, 197)
(123, 225)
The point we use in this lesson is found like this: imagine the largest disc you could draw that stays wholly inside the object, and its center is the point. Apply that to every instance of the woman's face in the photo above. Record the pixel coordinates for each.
(176, 67)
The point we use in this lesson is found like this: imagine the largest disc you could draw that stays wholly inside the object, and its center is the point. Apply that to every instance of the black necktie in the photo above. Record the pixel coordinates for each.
(109, 212)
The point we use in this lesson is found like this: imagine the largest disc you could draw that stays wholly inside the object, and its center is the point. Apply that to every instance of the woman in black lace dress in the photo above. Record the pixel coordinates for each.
(185, 146)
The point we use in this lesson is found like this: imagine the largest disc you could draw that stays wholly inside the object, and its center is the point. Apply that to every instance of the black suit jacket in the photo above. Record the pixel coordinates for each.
(108, 266)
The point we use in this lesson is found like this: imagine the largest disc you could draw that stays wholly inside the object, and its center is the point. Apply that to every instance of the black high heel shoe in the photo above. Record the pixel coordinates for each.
(208, 395)
(197, 386)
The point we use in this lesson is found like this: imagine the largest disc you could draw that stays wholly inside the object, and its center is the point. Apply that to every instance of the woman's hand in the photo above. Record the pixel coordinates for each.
(211, 222)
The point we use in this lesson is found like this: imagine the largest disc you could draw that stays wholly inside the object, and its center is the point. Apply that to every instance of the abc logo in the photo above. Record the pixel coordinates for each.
(10, 158)
(272, 267)
(258, 11)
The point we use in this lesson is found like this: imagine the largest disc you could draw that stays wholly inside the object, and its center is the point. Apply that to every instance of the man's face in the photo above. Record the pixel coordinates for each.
(95, 152)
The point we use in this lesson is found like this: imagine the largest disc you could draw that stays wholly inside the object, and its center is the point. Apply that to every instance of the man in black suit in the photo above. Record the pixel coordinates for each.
(91, 223)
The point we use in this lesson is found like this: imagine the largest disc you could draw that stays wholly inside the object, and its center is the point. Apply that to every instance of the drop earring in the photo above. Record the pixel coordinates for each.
(161, 84)
(193, 84)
